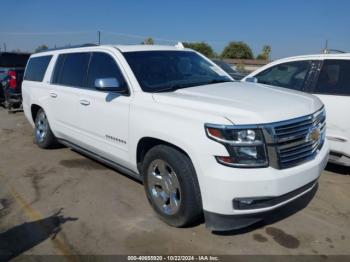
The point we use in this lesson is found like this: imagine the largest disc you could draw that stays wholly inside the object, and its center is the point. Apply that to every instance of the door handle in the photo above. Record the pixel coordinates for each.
(84, 102)
(53, 95)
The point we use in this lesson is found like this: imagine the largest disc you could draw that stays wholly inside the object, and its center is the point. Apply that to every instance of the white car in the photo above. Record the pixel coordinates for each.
(328, 77)
(168, 116)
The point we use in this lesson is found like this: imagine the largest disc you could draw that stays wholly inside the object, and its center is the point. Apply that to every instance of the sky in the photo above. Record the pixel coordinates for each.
(293, 27)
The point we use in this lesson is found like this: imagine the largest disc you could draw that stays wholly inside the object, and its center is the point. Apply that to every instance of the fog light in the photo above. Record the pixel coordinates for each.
(247, 201)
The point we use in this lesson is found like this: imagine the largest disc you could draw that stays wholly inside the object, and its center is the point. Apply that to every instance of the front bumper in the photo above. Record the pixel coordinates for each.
(221, 185)
(219, 222)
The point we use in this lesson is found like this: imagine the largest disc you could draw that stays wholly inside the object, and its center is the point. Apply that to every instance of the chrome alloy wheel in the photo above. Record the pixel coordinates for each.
(164, 187)
(42, 127)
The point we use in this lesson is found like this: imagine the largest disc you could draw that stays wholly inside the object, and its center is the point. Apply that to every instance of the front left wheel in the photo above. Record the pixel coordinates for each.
(44, 137)
(171, 186)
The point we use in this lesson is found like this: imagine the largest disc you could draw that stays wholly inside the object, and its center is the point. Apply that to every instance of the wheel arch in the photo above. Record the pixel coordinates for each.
(34, 109)
(146, 143)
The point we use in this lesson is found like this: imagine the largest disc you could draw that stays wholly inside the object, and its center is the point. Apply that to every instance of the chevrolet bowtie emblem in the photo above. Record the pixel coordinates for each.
(314, 134)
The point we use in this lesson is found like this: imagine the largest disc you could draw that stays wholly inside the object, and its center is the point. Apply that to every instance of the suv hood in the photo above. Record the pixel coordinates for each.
(243, 103)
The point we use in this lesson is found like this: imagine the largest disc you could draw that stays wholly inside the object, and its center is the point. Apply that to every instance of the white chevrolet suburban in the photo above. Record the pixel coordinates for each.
(200, 142)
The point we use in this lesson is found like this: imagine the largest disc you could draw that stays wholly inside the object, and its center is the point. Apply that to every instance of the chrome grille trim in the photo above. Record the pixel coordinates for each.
(290, 139)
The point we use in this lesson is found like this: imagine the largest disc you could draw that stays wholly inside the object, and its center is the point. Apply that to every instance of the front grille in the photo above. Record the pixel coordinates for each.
(300, 139)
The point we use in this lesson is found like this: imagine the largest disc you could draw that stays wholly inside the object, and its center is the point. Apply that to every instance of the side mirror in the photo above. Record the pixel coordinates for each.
(110, 84)
(251, 80)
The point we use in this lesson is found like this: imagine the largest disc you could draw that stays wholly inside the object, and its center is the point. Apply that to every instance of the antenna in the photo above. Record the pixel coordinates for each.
(325, 50)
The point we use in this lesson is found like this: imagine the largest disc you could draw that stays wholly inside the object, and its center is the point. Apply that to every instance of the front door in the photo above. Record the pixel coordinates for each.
(104, 116)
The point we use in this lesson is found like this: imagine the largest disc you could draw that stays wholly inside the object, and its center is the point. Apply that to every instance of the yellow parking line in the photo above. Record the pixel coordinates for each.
(33, 214)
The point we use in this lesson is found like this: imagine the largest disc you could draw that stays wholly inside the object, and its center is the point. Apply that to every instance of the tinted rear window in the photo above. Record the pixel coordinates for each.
(74, 70)
(36, 68)
(58, 68)
(13, 60)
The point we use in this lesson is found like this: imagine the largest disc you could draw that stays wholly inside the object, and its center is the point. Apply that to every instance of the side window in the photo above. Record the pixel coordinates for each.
(58, 69)
(103, 65)
(36, 68)
(334, 78)
(289, 75)
(74, 70)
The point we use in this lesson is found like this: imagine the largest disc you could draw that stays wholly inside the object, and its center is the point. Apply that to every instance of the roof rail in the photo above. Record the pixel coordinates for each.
(332, 51)
(68, 47)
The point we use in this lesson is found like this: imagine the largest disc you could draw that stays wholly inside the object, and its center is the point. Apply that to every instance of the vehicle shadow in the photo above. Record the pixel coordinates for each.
(343, 170)
(275, 216)
(21, 238)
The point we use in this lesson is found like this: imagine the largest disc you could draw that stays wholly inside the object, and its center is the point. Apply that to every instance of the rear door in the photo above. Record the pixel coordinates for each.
(68, 77)
(333, 88)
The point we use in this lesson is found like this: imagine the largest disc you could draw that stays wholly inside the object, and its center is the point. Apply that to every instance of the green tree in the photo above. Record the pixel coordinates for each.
(265, 54)
(202, 48)
(148, 41)
(239, 50)
(41, 48)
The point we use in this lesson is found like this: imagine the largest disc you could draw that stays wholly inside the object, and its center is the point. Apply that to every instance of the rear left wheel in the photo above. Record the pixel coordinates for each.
(44, 137)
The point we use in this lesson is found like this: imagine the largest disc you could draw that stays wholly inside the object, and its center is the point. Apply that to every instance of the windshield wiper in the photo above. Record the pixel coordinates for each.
(216, 81)
(170, 88)
(175, 87)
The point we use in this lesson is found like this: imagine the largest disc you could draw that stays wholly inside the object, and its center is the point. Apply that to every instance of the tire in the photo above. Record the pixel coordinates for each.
(44, 137)
(171, 186)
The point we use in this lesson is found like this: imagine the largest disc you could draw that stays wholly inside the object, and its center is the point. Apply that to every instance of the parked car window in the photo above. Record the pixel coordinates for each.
(289, 75)
(103, 66)
(226, 67)
(334, 78)
(36, 68)
(74, 69)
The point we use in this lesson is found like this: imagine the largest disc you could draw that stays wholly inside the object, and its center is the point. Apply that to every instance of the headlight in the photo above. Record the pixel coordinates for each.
(245, 145)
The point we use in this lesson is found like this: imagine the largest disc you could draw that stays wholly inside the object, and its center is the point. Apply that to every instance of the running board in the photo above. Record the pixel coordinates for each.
(112, 164)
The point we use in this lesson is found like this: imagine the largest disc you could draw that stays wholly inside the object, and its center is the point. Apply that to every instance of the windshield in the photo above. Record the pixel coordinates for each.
(164, 71)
